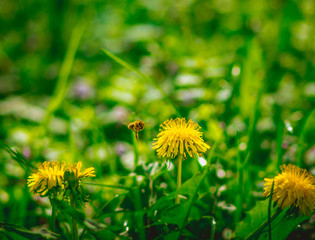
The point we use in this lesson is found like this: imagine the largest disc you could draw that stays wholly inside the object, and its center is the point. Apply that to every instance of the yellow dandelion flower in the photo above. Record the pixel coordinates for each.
(179, 137)
(292, 186)
(49, 175)
(75, 170)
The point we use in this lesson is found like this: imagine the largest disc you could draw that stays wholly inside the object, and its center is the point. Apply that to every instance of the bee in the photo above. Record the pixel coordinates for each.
(136, 126)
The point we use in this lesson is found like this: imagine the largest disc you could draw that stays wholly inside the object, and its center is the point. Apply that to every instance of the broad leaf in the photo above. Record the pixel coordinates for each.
(281, 226)
(254, 218)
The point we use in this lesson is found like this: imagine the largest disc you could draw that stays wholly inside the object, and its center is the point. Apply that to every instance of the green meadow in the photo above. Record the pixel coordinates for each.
(76, 74)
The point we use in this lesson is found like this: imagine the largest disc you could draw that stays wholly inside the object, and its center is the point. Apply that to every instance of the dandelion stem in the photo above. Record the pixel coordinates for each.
(74, 222)
(53, 216)
(179, 176)
(135, 148)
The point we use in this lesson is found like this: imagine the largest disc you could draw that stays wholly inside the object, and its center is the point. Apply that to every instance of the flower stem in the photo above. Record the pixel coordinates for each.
(135, 142)
(74, 222)
(53, 216)
(179, 176)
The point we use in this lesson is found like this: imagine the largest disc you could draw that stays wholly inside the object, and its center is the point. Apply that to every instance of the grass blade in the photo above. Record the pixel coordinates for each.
(65, 70)
(143, 76)
(301, 141)
(18, 157)
(280, 129)
(108, 186)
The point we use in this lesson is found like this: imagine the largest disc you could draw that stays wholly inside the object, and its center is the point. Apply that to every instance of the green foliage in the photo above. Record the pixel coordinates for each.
(23, 233)
(18, 157)
(98, 230)
(74, 74)
(255, 224)
(254, 218)
(252, 78)
(167, 212)
(284, 227)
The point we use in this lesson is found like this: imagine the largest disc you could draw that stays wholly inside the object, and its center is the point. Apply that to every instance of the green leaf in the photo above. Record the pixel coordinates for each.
(281, 226)
(110, 207)
(282, 229)
(254, 218)
(40, 234)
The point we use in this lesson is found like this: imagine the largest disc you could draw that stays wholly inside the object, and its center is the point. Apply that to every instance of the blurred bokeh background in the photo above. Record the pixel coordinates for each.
(227, 64)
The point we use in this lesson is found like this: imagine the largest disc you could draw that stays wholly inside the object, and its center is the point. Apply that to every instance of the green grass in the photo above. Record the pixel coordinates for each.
(74, 74)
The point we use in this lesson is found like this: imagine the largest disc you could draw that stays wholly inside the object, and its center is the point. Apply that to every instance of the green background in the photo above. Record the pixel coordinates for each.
(244, 70)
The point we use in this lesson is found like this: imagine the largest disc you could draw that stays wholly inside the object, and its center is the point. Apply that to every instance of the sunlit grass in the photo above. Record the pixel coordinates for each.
(89, 82)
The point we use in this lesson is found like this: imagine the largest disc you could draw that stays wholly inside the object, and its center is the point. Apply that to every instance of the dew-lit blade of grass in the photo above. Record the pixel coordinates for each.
(143, 76)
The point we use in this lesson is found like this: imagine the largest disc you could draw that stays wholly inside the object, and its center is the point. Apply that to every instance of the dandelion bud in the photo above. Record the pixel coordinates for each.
(69, 176)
